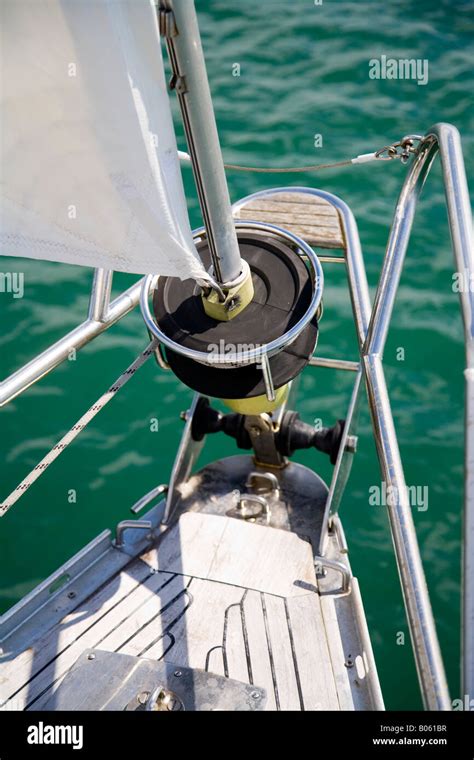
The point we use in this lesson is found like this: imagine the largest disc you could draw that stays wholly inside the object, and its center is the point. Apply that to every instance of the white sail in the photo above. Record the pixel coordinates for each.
(89, 166)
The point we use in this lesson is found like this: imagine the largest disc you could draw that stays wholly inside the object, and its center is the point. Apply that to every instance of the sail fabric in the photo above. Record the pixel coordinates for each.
(89, 167)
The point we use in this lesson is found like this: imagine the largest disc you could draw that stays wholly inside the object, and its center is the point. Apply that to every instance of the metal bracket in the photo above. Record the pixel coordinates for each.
(106, 681)
(130, 525)
(178, 83)
(163, 700)
(250, 507)
(266, 482)
(262, 435)
(166, 23)
(320, 563)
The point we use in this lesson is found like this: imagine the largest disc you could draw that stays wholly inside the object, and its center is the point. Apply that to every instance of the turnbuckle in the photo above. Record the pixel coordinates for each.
(403, 149)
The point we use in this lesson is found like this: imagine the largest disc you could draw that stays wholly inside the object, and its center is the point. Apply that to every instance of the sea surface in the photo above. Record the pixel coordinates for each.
(304, 71)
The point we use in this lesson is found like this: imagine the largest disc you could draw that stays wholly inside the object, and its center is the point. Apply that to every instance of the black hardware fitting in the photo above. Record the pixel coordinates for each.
(282, 294)
(292, 435)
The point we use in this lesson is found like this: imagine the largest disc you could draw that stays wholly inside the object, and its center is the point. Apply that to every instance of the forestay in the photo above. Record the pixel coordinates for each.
(90, 173)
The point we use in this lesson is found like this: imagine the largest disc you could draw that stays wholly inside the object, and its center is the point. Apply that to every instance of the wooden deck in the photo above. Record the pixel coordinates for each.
(214, 593)
(313, 219)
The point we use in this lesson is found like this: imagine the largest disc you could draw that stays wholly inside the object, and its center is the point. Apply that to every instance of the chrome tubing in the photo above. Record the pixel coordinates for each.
(460, 225)
(396, 248)
(419, 614)
(420, 619)
(445, 139)
(426, 649)
(155, 493)
(100, 295)
(344, 364)
(49, 359)
(421, 623)
(185, 52)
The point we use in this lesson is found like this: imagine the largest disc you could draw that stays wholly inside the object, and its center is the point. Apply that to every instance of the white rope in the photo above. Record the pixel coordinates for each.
(76, 429)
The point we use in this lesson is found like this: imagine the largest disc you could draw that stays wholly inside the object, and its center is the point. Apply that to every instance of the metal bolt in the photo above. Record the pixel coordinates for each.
(320, 570)
(142, 698)
(351, 444)
(91, 656)
(255, 694)
(232, 304)
(72, 594)
(162, 700)
(183, 416)
(178, 673)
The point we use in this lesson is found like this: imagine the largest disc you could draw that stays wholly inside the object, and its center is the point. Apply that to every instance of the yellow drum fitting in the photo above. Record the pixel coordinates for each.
(237, 297)
(257, 404)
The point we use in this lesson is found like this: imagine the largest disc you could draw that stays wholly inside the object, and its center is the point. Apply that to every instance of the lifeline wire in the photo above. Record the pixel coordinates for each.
(77, 428)
(285, 170)
(365, 158)
(400, 149)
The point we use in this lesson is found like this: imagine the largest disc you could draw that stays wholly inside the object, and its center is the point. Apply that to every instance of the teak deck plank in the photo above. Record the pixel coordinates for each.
(231, 551)
(215, 593)
(313, 219)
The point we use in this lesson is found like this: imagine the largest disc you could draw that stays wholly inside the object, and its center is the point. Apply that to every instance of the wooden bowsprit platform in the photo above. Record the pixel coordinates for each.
(313, 219)
(213, 593)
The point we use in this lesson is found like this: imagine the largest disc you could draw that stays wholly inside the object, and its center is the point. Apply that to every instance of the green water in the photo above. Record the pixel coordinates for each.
(304, 71)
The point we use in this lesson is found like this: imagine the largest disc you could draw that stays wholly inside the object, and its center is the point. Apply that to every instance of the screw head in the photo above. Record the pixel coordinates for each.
(178, 673)
(71, 594)
(232, 304)
(91, 656)
(255, 694)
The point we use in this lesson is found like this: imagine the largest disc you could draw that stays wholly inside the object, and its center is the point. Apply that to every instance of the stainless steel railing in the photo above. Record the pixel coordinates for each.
(372, 325)
(445, 139)
(103, 313)
(417, 603)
